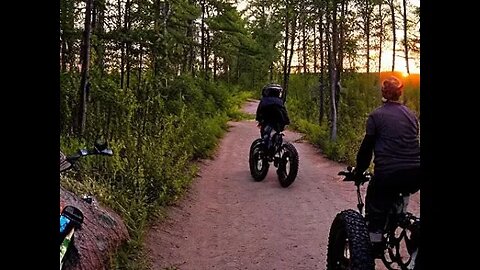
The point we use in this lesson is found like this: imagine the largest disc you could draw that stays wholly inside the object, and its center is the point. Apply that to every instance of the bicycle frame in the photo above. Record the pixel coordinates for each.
(396, 218)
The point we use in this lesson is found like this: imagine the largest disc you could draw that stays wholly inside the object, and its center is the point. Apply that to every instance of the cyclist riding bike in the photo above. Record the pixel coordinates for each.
(392, 137)
(271, 113)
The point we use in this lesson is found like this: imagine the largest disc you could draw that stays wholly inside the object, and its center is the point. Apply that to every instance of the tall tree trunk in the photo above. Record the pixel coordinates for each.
(380, 37)
(191, 50)
(128, 43)
(271, 66)
(304, 41)
(394, 28)
(143, 111)
(185, 47)
(122, 65)
(160, 53)
(315, 49)
(202, 48)
(405, 37)
(122, 44)
(84, 84)
(285, 46)
(129, 63)
(292, 43)
(99, 30)
(405, 43)
(63, 44)
(341, 43)
(299, 50)
(322, 72)
(207, 49)
(339, 55)
(167, 9)
(63, 53)
(67, 26)
(333, 50)
(367, 32)
(157, 36)
(94, 14)
(140, 71)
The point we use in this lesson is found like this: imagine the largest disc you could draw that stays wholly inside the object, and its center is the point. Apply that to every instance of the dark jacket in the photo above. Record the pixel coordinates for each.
(271, 111)
(392, 137)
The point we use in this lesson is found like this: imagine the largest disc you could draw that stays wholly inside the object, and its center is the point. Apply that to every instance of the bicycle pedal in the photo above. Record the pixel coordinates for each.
(376, 237)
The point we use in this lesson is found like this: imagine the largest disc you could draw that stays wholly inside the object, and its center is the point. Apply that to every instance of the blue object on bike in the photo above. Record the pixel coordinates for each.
(64, 221)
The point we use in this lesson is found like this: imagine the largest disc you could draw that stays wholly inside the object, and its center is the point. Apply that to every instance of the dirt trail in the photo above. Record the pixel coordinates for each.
(229, 221)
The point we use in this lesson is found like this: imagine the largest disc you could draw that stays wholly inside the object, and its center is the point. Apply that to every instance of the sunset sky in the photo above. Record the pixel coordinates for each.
(400, 64)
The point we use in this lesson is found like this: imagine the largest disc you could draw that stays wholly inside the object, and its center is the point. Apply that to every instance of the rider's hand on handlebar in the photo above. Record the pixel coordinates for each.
(359, 177)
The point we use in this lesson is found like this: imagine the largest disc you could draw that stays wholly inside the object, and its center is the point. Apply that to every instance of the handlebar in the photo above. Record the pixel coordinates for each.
(100, 148)
(351, 176)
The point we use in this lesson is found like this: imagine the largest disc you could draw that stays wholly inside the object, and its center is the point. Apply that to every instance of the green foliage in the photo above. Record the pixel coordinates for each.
(160, 111)
(69, 83)
(302, 97)
(157, 132)
(236, 101)
(360, 95)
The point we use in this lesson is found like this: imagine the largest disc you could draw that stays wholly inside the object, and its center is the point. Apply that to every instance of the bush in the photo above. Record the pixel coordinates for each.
(359, 96)
(157, 132)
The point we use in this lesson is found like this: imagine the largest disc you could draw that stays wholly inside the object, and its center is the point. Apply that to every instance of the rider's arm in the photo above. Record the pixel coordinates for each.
(285, 116)
(258, 115)
(365, 153)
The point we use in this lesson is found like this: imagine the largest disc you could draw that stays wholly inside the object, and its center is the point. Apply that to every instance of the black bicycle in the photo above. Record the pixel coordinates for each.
(349, 245)
(283, 155)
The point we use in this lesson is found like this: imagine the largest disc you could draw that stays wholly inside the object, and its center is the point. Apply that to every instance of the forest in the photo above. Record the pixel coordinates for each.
(160, 79)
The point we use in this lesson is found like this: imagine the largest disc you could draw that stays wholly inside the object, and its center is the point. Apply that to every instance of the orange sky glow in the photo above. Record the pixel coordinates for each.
(400, 65)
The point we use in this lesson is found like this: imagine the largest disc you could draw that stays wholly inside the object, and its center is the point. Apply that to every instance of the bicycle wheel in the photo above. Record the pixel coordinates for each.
(257, 160)
(402, 246)
(288, 165)
(349, 244)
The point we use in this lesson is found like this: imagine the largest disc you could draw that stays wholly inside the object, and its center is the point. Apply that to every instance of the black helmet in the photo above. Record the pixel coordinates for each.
(272, 90)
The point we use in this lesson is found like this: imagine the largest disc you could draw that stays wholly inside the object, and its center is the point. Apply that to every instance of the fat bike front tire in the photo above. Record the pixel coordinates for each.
(288, 166)
(349, 245)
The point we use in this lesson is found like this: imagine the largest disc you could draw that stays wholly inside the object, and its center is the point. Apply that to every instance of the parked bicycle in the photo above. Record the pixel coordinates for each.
(349, 245)
(71, 218)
